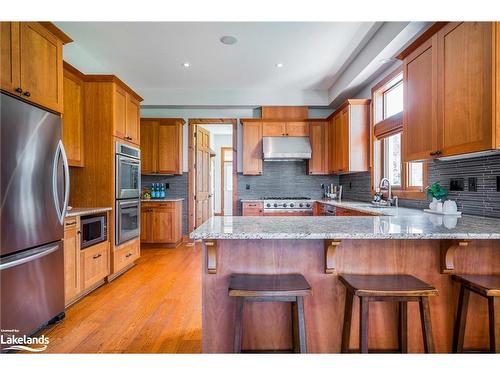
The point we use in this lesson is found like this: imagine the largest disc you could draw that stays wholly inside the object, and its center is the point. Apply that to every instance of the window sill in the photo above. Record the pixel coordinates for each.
(408, 194)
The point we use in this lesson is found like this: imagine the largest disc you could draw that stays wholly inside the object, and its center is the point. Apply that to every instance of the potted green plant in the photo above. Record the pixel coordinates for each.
(438, 195)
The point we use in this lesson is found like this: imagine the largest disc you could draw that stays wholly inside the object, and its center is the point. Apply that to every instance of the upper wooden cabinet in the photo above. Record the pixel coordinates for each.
(285, 112)
(252, 148)
(127, 114)
(72, 129)
(349, 137)
(285, 129)
(420, 137)
(31, 62)
(161, 145)
(450, 91)
(318, 135)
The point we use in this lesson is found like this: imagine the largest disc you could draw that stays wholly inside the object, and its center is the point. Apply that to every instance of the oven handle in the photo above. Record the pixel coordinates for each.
(128, 204)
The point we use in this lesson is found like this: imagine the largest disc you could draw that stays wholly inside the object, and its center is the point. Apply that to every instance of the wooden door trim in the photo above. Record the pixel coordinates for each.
(191, 157)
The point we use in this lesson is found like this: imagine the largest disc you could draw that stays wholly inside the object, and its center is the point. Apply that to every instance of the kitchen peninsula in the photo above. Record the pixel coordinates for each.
(320, 248)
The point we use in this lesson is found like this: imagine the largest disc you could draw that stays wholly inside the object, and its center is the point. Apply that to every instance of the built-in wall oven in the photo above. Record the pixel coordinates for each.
(127, 220)
(128, 172)
(128, 191)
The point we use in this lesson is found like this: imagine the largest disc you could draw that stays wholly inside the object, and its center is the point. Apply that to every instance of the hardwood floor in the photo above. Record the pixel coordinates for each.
(153, 308)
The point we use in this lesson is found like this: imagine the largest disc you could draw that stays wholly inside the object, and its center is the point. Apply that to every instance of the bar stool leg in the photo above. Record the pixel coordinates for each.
(403, 327)
(238, 326)
(494, 308)
(299, 326)
(425, 318)
(460, 320)
(363, 325)
(346, 329)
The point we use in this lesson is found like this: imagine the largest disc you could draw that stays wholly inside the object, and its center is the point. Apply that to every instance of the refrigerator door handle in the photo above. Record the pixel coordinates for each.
(46, 250)
(55, 193)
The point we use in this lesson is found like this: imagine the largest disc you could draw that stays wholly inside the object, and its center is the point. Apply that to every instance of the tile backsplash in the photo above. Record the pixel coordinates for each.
(483, 202)
(178, 188)
(282, 178)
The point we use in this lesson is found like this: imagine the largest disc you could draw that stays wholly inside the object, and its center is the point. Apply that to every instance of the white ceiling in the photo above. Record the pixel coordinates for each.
(149, 55)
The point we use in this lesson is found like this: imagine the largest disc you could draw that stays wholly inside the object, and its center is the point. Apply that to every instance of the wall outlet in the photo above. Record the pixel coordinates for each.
(350, 185)
(167, 186)
(457, 184)
(248, 187)
(472, 183)
(498, 183)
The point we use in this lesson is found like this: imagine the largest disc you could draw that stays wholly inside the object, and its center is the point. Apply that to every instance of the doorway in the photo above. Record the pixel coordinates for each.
(212, 169)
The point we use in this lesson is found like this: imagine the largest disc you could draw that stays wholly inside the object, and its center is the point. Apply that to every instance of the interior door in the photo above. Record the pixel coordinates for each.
(202, 193)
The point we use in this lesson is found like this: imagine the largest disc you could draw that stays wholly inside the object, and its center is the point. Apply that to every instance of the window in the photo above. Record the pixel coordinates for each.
(408, 179)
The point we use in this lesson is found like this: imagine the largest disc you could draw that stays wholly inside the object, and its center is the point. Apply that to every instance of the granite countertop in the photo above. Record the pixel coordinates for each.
(163, 200)
(393, 223)
(76, 211)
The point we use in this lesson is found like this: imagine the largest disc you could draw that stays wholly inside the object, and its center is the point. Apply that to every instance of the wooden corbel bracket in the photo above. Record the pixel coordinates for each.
(448, 250)
(211, 251)
(330, 250)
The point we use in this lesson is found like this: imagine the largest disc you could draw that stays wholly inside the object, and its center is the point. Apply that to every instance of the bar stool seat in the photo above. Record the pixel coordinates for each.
(271, 288)
(399, 288)
(487, 286)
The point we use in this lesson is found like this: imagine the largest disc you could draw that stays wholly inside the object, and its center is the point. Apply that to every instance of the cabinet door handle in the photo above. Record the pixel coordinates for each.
(97, 256)
(128, 255)
(435, 153)
(78, 232)
(27, 94)
(19, 90)
(71, 223)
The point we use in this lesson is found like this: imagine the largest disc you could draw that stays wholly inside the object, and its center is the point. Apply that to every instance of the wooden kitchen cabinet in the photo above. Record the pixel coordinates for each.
(72, 125)
(126, 107)
(252, 148)
(349, 137)
(252, 208)
(465, 76)
(72, 283)
(125, 255)
(161, 222)
(318, 136)
(285, 129)
(420, 135)
(32, 62)
(451, 100)
(94, 264)
(161, 145)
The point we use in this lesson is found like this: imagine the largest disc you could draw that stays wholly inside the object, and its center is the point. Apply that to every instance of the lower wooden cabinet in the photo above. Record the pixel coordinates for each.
(94, 264)
(84, 269)
(161, 222)
(72, 285)
(253, 208)
(126, 254)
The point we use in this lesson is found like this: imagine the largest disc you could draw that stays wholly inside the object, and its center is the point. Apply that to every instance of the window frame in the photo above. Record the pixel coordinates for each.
(384, 128)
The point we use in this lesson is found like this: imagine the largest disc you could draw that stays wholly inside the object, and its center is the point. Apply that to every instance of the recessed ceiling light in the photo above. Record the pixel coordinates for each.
(279, 65)
(186, 65)
(228, 39)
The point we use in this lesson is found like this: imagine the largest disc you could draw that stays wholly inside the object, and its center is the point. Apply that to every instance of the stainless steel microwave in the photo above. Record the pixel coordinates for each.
(93, 230)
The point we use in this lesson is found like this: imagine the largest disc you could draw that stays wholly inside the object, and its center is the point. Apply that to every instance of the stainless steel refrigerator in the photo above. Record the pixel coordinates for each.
(34, 198)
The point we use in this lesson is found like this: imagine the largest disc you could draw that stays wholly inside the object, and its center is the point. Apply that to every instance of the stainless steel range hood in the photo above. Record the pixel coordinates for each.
(286, 148)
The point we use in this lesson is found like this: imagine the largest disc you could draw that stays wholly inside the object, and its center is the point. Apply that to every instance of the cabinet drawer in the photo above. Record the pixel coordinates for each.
(71, 223)
(126, 255)
(95, 264)
(252, 208)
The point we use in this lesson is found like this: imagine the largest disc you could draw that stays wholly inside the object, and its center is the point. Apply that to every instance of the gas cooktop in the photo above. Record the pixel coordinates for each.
(285, 198)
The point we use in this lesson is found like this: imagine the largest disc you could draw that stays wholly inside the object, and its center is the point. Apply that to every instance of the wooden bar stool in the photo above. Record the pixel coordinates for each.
(387, 288)
(271, 288)
(487, 286)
